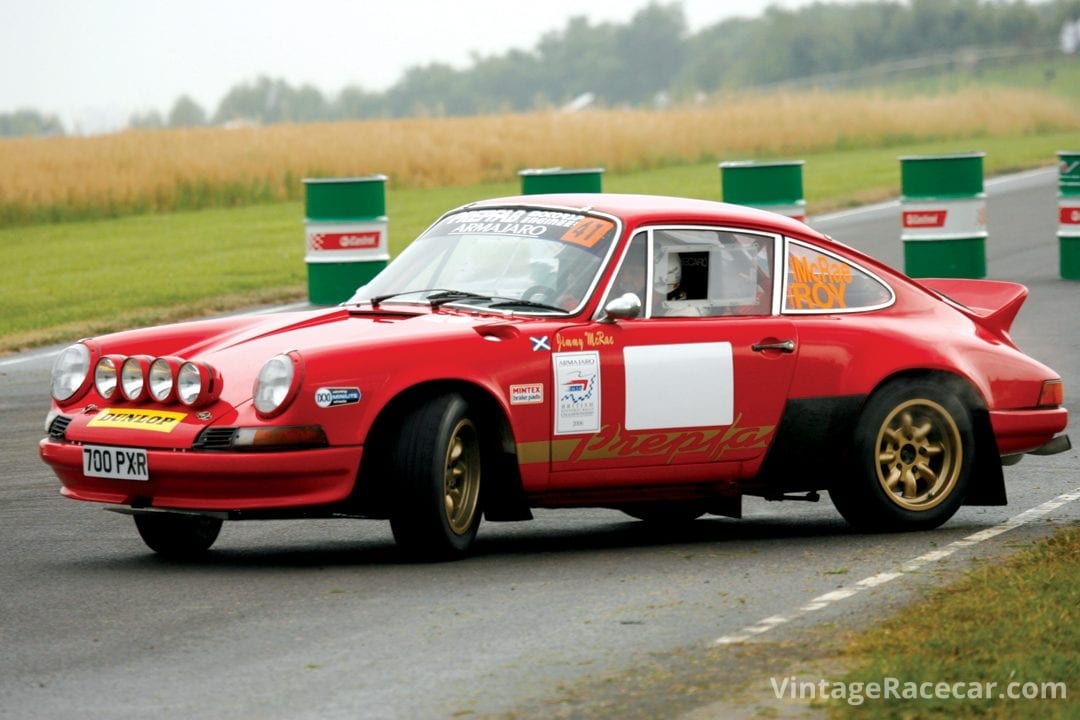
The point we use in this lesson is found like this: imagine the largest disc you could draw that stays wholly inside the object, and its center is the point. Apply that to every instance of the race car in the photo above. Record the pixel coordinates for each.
(661, 356)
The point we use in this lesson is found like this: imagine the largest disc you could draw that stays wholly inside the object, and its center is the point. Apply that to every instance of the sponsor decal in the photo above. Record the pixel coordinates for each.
(540, 343)
(132, 419)
(587, 232)
(577, 383)
(615, 441)
(361, 240)
(527, 394)
(566, 227)
(326, 397)
(1069, 216)
(819, 282)
(925, 218)
(509, 222)
(590, 339)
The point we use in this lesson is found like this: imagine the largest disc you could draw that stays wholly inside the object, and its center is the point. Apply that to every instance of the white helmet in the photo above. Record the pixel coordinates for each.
(672, 276)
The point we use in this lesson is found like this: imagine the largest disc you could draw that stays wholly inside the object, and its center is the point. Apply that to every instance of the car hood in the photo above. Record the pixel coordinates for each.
(313, 332)
(339, 348)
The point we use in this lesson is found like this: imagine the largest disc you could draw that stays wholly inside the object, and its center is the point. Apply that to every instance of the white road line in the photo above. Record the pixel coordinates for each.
(824, 601)
(19, 359)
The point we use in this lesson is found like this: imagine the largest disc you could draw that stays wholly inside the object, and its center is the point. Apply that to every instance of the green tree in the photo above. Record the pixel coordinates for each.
(186, 113)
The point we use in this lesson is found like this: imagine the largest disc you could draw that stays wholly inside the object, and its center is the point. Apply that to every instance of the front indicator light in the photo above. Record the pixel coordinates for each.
(286, 436)
(1052, 394)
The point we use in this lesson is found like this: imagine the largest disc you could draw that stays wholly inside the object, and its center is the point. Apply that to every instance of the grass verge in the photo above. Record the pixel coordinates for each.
(1016, 624)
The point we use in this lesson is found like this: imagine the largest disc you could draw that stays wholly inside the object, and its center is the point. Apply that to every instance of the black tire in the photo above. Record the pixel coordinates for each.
(177, 537)
(665, 513)
(438, 461)
(913, 454)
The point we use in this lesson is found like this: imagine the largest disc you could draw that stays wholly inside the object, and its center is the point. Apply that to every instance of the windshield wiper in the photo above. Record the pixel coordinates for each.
(520, 302)
(438, 296)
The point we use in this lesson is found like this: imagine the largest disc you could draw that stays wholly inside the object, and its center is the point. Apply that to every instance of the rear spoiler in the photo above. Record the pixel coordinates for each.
(994, 302)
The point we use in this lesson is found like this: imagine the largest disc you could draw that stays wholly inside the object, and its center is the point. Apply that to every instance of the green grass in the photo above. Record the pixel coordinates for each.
(1017, 622)
(62, 281)
(1059, 75)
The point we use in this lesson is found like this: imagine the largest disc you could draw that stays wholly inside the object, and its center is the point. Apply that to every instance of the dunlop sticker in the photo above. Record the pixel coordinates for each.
(132, 419)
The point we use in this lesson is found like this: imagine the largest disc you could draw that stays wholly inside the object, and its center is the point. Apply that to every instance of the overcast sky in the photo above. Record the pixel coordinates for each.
(95, 62)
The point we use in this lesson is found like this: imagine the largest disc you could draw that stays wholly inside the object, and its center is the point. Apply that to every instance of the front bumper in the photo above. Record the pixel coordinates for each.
(220, 481)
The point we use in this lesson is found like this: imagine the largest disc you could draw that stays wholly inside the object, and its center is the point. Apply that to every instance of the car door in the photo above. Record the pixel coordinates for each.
(692, 388)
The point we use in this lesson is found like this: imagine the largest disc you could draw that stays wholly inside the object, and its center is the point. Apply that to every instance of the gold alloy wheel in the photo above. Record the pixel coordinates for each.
(919, 454)
(461, 480)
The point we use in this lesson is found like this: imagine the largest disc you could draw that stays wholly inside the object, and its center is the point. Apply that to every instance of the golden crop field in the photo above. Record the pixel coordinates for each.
(138, 171)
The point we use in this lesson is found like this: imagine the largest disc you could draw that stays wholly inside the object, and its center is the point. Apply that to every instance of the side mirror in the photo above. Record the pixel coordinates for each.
(624, 307)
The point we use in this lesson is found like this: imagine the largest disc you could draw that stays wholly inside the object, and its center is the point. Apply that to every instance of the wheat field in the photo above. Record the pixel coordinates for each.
(48, 179)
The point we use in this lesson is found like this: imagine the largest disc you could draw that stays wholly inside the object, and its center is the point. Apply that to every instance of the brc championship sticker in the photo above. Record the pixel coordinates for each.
(154, 420)
(577, 382)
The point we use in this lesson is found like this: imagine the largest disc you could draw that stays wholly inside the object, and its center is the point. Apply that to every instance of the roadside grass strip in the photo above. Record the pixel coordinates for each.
(823, 601)
(1001, 643)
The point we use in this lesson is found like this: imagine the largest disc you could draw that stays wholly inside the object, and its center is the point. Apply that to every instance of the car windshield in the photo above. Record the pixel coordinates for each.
(527, 259)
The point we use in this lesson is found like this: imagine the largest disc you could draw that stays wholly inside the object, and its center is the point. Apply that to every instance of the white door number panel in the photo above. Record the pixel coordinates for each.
(672, 386)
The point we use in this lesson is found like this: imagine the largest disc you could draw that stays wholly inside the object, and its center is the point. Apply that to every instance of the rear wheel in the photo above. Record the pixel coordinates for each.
(175, 536)
(912, 459)
(438, 461)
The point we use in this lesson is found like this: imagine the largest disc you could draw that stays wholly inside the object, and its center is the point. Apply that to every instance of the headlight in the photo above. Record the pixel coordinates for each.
(70, 371)
(133, 378)
(197, 384)
(105, 374)
(160, 378)
(276, 383)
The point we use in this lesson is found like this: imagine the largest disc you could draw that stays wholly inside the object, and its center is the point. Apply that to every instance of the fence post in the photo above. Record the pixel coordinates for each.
(943, 215)
(1069, 213)
(536, 181)
(346, 235)
(773, 186)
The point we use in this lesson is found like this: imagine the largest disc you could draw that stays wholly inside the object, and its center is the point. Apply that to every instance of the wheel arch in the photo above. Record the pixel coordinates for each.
(503, 496)
(987, 477)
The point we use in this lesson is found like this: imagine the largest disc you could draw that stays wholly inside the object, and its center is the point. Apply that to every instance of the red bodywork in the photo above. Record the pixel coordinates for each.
(796, 379)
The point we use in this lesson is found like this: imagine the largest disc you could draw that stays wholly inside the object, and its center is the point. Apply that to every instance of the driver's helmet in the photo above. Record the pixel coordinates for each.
(672, 276)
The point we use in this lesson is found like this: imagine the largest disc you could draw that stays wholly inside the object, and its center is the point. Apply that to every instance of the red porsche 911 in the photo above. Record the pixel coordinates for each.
(657, 355)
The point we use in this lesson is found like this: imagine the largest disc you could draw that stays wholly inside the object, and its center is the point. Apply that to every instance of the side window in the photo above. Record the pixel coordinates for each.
(819, 282)
(631, 275)
(711, 273)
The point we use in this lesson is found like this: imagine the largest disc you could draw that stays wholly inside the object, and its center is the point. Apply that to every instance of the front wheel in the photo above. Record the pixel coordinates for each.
(913, 452)
(175, 536)
(438, 461)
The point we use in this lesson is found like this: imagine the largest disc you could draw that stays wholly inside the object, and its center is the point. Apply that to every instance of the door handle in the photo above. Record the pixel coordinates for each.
(786, 346)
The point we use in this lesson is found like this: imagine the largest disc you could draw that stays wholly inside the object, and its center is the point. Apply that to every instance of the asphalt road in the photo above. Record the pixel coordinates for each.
(580, 613)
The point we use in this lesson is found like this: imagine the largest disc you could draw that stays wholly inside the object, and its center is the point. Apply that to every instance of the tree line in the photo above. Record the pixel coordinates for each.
(651, 60)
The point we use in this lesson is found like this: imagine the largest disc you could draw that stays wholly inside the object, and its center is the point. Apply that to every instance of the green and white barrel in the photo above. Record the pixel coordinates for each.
(1069, 213)
(345, 225)
(943, 215)
(537, 181)
(773, 186)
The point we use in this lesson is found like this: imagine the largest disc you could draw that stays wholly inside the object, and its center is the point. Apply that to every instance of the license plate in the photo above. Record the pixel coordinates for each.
(115, 462)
